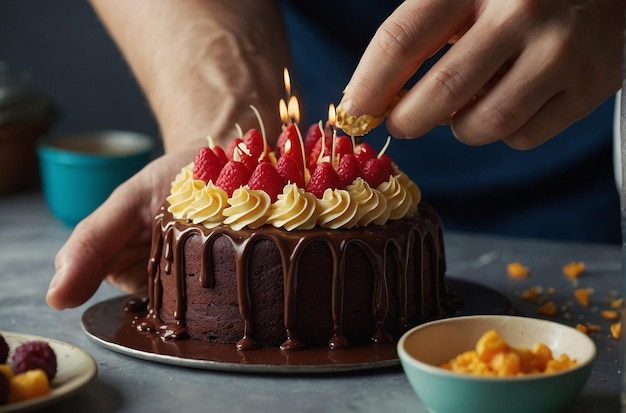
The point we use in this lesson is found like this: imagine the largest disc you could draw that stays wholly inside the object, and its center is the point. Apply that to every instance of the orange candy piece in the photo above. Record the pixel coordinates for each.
(582, 296)
(494, 357)
(517, 270)
(548, 309)
(573, 269)
(28, 385)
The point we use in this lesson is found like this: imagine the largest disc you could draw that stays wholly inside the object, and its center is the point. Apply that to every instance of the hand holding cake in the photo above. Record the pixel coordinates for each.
(192, 95)
(113, 243)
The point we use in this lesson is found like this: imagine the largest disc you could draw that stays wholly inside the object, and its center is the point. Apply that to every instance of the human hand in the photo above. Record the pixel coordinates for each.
(113, 243)
(520, 71)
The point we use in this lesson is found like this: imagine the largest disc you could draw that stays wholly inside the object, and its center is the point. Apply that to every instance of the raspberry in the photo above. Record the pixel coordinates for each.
(343, 146)
(233, 175)
(288, 133)
(323, 177)
(256, 143)
(266, 178)
(35, 355)
(220, 153)
(4, 350)
(348, 170)
(207, 166)
(323, 144)
(387, 163)
(312, 136)
(365, 152)
(288, 169)
(230, 149)
(375, 172)
(4, 389)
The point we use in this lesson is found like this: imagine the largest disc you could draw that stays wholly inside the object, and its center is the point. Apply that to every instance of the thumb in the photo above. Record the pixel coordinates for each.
(91, 250)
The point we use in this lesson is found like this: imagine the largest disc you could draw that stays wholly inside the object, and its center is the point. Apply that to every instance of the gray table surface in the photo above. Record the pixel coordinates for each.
(30, 238)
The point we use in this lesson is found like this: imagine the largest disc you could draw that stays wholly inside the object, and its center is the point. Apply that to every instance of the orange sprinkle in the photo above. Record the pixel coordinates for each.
(532, 293)
(616, 330)
(582, 296)
(517, 270)
(610, 315)
(573, 269)
(593, 328)
(616, 303)
(582, 328)
(548, 308)
(493, 356)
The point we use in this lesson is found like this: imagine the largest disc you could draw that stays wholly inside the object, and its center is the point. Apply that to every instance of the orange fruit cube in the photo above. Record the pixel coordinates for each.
(28, 385)
(517, 270)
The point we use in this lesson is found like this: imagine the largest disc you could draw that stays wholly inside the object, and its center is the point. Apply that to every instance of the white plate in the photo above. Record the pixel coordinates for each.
(75, 368)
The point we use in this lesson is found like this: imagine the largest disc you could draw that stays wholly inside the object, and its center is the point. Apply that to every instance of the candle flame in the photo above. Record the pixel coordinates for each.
(287, 81)
(293, 108)
(332, 119)
(282, 110)
(290, 111)
(332, 114)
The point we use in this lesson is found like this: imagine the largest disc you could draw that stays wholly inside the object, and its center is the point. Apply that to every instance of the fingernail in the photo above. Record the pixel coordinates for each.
(349, 106)
(51, 289)
(53, 282)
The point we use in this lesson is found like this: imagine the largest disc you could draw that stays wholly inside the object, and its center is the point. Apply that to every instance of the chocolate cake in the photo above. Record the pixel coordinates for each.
(271, 287)
(320, 242)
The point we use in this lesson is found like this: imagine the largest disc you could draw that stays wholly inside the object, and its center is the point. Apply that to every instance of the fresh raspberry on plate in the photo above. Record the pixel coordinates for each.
(34, 355)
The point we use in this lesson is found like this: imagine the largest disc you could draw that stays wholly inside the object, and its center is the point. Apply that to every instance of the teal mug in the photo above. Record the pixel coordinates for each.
(79, 171)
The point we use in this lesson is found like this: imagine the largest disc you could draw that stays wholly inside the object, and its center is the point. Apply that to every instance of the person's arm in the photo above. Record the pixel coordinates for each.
(520, 71)
(201, 63)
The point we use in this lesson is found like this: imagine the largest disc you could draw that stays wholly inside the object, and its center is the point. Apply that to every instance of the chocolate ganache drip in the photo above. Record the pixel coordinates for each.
(371, 283)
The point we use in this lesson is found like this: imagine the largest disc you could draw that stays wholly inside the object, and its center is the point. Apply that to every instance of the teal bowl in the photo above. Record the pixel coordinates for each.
(427, 346)
(79, 172)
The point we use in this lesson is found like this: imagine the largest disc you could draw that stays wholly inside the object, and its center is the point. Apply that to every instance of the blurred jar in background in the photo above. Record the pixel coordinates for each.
(25, 115)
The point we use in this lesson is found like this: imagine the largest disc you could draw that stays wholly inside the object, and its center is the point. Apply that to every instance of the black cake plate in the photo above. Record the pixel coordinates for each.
(110, 326)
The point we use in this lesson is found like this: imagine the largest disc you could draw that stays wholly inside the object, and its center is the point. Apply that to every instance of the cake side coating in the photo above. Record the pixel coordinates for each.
(294, 289)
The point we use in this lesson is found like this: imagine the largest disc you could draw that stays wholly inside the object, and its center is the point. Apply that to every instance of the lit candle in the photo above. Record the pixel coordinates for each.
(284, 114)
(287, 81)
(293, 108)
(332, 119)
(305, 170)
